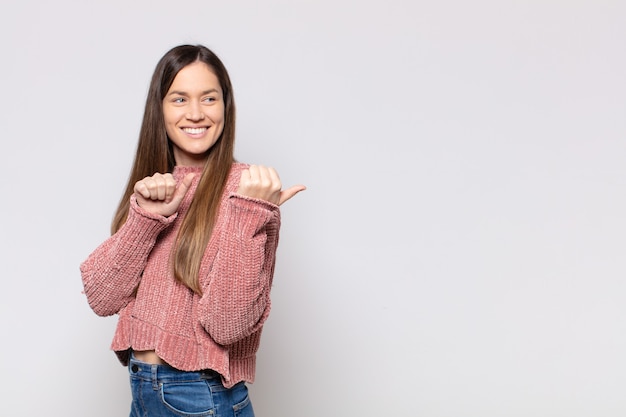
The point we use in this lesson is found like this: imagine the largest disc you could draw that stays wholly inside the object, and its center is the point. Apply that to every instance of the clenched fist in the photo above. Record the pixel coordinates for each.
(159, 193)
(262, 182)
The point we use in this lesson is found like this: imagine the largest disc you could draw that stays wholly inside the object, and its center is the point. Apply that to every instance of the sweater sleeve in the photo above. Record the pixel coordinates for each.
(236, 289)
(112, 272)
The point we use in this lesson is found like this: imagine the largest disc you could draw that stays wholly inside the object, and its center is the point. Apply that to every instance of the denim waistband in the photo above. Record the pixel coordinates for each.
(165, 373)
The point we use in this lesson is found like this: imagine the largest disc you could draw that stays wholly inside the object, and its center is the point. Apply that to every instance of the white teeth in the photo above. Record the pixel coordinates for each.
(194, 130)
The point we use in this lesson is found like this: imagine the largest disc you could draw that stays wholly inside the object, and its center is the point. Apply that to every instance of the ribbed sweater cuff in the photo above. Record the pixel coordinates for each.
(252, 214)
(146, 214)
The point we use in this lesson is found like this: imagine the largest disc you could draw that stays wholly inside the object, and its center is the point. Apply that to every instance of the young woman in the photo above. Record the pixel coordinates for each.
(189, 265)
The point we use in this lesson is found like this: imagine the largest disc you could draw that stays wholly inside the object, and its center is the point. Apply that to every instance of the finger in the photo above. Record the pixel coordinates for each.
(141, 190)
(253, 172)
(182, 189)
(266, 178)
(150, 185)
(274, 178)
(146, 188)
(159, 187)
(274, 185)
(188, 180)
(170, 187)
(290, 192)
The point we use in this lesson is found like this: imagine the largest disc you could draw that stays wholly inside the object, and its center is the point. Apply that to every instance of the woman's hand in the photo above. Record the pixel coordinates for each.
(262, 182)
(159, 193)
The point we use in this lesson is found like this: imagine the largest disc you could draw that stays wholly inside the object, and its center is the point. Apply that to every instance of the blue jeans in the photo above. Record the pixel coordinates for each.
(162, 391)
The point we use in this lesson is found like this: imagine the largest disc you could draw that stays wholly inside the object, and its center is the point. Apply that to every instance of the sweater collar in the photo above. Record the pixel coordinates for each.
(180, 171)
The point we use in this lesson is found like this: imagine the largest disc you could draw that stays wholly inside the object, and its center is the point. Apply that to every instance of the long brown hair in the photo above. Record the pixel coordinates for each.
(154, 154)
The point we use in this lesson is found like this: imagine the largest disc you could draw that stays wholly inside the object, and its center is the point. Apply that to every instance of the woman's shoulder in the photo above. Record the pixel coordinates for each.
(239, 166)
(236, 170)
(235, 174)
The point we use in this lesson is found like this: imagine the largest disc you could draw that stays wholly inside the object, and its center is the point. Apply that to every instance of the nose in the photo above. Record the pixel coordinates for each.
(195, 112)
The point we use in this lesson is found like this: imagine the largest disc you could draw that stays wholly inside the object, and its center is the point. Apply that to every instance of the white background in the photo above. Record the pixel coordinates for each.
(460, 248)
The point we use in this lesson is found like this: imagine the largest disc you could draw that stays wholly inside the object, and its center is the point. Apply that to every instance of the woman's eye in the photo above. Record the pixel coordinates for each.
(210, 99)
(178, 100)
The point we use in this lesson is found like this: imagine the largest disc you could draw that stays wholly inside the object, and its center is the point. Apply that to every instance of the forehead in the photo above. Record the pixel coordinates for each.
(197, 76)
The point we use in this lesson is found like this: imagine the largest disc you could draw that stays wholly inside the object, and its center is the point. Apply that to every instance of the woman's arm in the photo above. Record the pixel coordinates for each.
(113, 271)
(236, 282)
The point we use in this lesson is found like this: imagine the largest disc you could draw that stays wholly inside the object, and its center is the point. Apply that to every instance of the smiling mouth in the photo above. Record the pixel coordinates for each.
(194, 130)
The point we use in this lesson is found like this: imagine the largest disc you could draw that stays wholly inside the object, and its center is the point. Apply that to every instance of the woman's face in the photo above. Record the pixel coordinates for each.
(193, 111)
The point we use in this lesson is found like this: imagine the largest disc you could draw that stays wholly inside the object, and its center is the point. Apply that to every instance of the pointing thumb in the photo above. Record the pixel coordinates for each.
(182, 189)
(290, 192)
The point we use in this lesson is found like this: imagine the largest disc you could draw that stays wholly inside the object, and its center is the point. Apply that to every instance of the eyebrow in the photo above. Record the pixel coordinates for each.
(183, 93)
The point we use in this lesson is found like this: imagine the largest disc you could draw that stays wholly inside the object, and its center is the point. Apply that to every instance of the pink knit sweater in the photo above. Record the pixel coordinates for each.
(219, 330)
